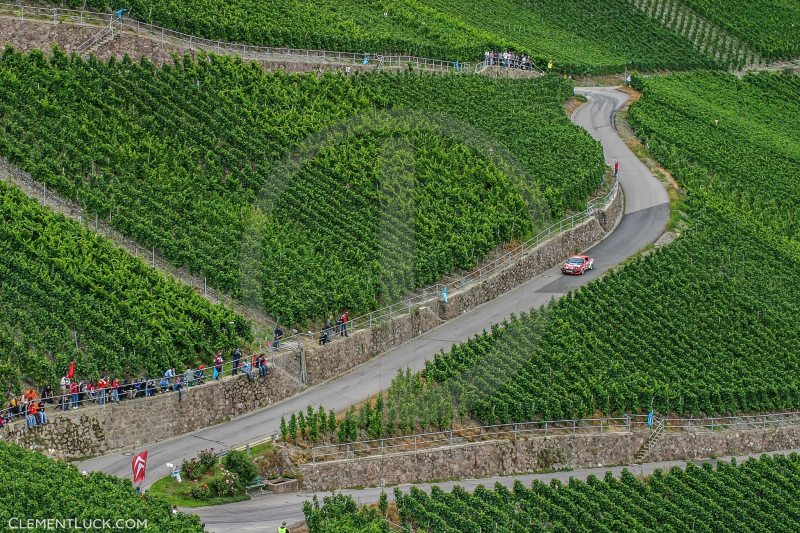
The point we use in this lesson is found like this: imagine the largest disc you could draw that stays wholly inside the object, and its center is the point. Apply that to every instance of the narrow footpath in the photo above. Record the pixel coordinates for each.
(645, 216)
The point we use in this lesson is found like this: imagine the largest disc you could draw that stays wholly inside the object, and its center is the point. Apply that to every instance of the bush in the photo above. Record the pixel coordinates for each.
(238, 462)
(201, 492)
(208, 458)
(227, 484)
(192, 470)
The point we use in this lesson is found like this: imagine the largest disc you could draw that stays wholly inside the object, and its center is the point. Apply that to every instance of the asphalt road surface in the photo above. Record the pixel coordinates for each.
(646, 214)
(266, 513)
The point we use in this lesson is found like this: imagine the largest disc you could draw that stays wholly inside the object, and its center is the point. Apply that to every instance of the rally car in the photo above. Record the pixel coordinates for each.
(577, 264)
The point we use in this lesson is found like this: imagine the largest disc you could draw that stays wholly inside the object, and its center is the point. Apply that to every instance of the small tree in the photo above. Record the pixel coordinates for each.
(302, 424)
(383, 503)
(293, 427)
(322, 419)
(284, 429)
(332, 422)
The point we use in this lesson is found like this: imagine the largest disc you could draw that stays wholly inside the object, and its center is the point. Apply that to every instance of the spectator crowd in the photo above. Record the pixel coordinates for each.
(75, 392)
(508, 59)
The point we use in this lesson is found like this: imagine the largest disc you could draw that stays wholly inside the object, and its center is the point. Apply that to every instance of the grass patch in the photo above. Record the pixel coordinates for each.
(262, 448)
(178, 493)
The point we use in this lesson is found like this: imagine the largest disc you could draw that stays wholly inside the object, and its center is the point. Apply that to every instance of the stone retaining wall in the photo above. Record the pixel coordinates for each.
(94, 430)
(511, 457)
(476, 460)
(336, 358)
(27, 35)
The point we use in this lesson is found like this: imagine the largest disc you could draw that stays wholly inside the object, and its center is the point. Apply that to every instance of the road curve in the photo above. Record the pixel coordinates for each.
(645, 216)
(266, 513)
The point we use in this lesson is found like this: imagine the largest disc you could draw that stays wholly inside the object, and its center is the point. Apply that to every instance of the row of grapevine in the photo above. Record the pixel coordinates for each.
(743, 132)
(597, 36)
(34, 487)
(340, 192)
(69, 294)
(583, 37)
(710, 39)
(408, 406)
(757, 495)
(772, 27)
(706, 325)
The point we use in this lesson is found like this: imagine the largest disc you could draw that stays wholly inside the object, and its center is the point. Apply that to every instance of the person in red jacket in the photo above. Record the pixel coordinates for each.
(33, 410)
(115, 390)
(102, 385)
(74, 390)
(218, 365)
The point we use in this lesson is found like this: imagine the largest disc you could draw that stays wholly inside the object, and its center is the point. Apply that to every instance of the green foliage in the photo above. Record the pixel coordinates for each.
(240, 464)
(33, 486)
(340, 514)
(284, 429)
(228, 483)
(583, 37)
(383, 504)
(677, 500)
(772, 27)
(69, 294)
(325, 192)
(580, 36)
(293, 427)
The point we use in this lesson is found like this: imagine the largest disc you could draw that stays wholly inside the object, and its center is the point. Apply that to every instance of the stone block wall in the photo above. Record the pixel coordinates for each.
(94, 429)
(476, 460)
(707, 444)
(511, 457)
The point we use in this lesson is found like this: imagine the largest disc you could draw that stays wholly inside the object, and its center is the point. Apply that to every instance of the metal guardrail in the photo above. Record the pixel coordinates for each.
(426, 441)
(137, 389)
(246, 51)
(586, 426)
(433, 293)
(758, 421)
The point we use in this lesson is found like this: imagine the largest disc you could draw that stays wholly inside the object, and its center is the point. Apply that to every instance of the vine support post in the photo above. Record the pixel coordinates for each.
(205, 287)
(154, 256)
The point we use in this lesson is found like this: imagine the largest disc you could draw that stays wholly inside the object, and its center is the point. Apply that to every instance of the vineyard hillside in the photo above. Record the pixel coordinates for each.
(584, 36)
(68, 294)
(725, 497)
(704, 326)
(35, 487)
(344, 192)
(771, 26)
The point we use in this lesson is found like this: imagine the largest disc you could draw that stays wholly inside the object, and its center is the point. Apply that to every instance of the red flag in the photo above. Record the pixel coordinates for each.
(71, 371)
(139, 465)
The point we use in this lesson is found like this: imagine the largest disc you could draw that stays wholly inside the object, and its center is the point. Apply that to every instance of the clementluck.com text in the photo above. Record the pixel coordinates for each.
(89, 524)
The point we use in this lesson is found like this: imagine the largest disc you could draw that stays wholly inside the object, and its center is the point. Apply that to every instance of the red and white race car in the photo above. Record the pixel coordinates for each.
(577, 264)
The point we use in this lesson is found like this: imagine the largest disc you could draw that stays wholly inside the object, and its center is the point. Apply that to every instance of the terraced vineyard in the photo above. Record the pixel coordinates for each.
(760, 494)
(361, 212)
(579, 36)
(744, 133)
(68, 294)
(35, 487)
(703, 326)
(584, 37)
(729, 49)
(771, 26)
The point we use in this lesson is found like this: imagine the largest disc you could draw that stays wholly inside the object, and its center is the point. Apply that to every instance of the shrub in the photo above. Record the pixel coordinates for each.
(238, 462)
(226, 484)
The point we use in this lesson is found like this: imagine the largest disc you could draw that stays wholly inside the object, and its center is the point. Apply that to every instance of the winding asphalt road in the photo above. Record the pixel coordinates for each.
(645, 216)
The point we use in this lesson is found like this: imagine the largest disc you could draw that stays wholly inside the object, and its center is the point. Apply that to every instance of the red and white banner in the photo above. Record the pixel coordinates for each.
(139, 465)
